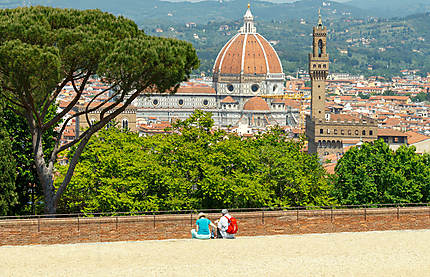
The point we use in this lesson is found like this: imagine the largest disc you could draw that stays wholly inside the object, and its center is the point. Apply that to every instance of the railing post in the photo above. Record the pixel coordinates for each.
(38, 224)
(331, 214)
(297, 215)
(116, 222)
(154, 219)
(191, 219)
(78, 224)
(398, 213)
(365, 214)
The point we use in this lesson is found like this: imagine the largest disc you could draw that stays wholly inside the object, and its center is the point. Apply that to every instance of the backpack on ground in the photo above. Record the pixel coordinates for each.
(232, 225)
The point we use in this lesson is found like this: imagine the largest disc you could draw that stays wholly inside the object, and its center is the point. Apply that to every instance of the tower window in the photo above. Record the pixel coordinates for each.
(254, 87)
(356, 132)
(370, 133)
(363, 132)
(321, 131)
(230, 87)
(155, 102)
(205, 102)
(125, 124)
(181, 102)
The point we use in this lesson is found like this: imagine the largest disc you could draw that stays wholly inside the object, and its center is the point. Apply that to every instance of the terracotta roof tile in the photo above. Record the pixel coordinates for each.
(256, 104)
(414, 137)
(228, 99)
(258, 56)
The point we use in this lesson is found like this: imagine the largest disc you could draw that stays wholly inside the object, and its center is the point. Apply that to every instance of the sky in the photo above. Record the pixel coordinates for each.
(274, 1)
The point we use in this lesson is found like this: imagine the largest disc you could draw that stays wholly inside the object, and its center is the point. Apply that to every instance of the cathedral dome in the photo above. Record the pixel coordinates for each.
(256, 104)
(247, 53)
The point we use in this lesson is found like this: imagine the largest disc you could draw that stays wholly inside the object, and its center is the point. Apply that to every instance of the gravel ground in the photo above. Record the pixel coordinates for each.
(391, 253)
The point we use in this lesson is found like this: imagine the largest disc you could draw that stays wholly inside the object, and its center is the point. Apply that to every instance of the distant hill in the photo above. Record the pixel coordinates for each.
(201, 12)
(355, 45)
(392, 8)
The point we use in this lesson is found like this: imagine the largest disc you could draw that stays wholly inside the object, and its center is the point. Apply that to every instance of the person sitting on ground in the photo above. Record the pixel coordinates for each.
(202, 226)
(223, 225)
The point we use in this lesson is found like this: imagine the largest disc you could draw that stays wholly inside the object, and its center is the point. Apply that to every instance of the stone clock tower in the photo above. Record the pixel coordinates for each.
(329, 133)
(318, 69)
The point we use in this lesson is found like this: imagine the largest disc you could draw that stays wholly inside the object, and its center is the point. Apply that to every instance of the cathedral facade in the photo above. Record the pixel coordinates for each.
(247, 85)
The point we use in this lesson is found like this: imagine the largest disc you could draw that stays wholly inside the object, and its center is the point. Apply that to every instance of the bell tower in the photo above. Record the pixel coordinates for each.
(318, 69)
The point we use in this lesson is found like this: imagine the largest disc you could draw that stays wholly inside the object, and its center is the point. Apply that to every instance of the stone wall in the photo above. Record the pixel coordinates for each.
(104, 229)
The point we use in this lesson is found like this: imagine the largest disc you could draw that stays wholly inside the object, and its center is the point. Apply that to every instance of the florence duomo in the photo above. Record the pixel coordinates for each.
(247, 87)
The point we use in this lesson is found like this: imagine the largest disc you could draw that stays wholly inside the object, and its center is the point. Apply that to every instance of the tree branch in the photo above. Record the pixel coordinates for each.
(70, 106)
(93, 129)
(53, 96)
(12, 101)
(57, 148)
(95, 97)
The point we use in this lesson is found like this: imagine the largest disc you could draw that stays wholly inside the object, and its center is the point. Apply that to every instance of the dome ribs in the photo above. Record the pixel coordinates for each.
(273, 61)
(232, 58)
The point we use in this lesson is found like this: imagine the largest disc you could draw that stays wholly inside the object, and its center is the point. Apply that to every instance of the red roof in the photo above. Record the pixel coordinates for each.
(256, 104)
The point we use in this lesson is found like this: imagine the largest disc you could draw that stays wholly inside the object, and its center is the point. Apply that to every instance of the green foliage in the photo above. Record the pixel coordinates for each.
(195, 167)
(17, 129)
(389, 45)
(8, 197)
(375, 174)
(43, 49)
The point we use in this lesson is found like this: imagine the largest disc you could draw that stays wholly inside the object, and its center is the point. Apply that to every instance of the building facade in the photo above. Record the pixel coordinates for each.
(247, 78)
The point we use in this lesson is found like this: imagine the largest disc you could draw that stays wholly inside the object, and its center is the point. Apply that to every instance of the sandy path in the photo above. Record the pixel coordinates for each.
(393, 253)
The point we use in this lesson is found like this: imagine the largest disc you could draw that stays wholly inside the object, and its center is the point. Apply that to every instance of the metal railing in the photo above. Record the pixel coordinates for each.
(212, 211)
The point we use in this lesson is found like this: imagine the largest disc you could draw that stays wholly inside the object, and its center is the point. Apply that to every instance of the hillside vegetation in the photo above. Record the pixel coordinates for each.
(388, 45)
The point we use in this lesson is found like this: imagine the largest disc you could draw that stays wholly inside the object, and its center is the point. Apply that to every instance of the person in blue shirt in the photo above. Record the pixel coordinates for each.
(202, 228)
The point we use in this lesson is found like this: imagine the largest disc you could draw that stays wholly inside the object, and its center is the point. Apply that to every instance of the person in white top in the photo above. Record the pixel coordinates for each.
(223, 226)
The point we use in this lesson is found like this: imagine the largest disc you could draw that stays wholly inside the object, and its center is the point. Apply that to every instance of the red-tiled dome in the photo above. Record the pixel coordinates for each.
(256, 104)
(248, 53)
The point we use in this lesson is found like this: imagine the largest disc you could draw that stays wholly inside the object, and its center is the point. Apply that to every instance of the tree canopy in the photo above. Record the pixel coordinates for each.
(43, 49)
(8, 196)
(194, 167)
(375, 174)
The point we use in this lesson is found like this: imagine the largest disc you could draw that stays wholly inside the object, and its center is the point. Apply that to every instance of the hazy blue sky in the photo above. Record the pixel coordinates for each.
(275, 1)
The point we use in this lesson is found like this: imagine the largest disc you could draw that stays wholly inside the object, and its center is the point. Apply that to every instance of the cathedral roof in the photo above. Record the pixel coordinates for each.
(256, 104)
(248, 53)
(228, 99)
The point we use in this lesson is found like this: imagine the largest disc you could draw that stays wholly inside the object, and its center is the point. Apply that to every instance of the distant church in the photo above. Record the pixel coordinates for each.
(247, 78)
(329, 133)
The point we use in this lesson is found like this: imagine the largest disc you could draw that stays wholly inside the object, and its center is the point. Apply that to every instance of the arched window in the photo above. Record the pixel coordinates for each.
(320, 47)
(363, 132)
(125, 124)
(356, 132)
